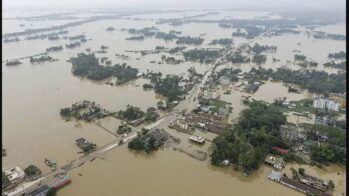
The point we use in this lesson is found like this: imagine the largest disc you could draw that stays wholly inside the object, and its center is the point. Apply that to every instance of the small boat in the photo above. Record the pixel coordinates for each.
(50, 163)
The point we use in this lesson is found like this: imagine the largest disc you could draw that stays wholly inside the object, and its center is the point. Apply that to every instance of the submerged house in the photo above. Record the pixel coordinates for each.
(85, 145)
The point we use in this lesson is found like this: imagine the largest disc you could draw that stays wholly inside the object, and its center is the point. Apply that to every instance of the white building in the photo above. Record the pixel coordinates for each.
(333, 105)
(323, 103)
(319, 102)
(15, 174)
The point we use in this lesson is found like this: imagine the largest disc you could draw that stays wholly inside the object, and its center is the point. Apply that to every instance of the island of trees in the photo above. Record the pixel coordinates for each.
(87, 65)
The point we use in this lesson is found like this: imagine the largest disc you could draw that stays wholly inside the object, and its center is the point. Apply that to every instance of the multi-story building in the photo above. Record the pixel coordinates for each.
(321, 102)
(332, 105)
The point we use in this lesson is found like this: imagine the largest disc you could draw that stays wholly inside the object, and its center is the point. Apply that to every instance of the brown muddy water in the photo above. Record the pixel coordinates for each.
(33, 130)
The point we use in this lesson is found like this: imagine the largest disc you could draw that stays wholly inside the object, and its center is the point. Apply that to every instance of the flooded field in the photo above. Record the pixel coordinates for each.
(33, 95)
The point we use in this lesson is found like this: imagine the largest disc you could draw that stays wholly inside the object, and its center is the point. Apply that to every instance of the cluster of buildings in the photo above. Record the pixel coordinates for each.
(203, 121)
(306, 184)
(14, 177)
(334, 102)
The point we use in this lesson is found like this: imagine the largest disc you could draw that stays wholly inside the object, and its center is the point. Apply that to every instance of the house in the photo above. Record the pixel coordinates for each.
(276, 162)
(280, 150)
(85, 145)
(324, 120)
(223, 112)
(197, 139)
(15, 175)
(314, 182)
(291, 133)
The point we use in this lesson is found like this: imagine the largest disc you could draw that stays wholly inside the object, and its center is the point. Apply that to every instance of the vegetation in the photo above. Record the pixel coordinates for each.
(147, 141)
(300, 57)
(337, 55)
(257, 49)
(238, 58)
(202, 55)
(77, 37)
(248, 143)
(170, 60)
(54, 48)
(169, 87)
(176, 49)
(190, 40)
(15, 62)
(87, 65)
(110, 29)
(140, 37)
(315, 81)
(341, 65)
(131, 113)
(259, 58)
(73, 45)
(239, 33)
(84, 110)
(123, 129)
(147, 86)
(40, 59)
(222, 41)
(32, 171)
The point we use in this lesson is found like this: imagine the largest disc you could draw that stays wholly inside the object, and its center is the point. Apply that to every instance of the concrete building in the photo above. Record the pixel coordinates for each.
(324, 120)
(291, 133)
(276, 162)
(332, 105)
(15, 175)
(323, 103)
(319, 102)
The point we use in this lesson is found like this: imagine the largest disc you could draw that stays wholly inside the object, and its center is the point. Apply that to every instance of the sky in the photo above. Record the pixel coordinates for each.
(32, 4)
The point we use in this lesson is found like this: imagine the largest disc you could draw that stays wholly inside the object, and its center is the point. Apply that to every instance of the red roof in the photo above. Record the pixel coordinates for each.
(280, 150)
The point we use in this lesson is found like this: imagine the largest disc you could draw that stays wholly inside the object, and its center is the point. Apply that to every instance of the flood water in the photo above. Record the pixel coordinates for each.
(33, 95)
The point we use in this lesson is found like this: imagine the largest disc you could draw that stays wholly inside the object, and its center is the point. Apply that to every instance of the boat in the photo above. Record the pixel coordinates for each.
(50, 163)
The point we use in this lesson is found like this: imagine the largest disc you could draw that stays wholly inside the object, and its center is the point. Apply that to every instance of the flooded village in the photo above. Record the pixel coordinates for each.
(174, 102)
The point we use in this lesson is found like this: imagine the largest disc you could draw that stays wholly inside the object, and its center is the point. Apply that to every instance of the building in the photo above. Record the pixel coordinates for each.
(85, 145)
(280, 150)
(197, 139)
(223, 112)
(333, 105)
(341, 98)
(324, 103)
(314, 182)
(319, 102)
(274, 175)
(42, 191)
(291, 133)
(276, 162)
(15, 175)
(324, 120)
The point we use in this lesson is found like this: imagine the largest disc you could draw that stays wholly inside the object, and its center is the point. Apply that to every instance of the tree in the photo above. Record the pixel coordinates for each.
(330, 185)
(301, 171)
(160, 105)
(51, 192)
(32, 170)
(295, 175)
